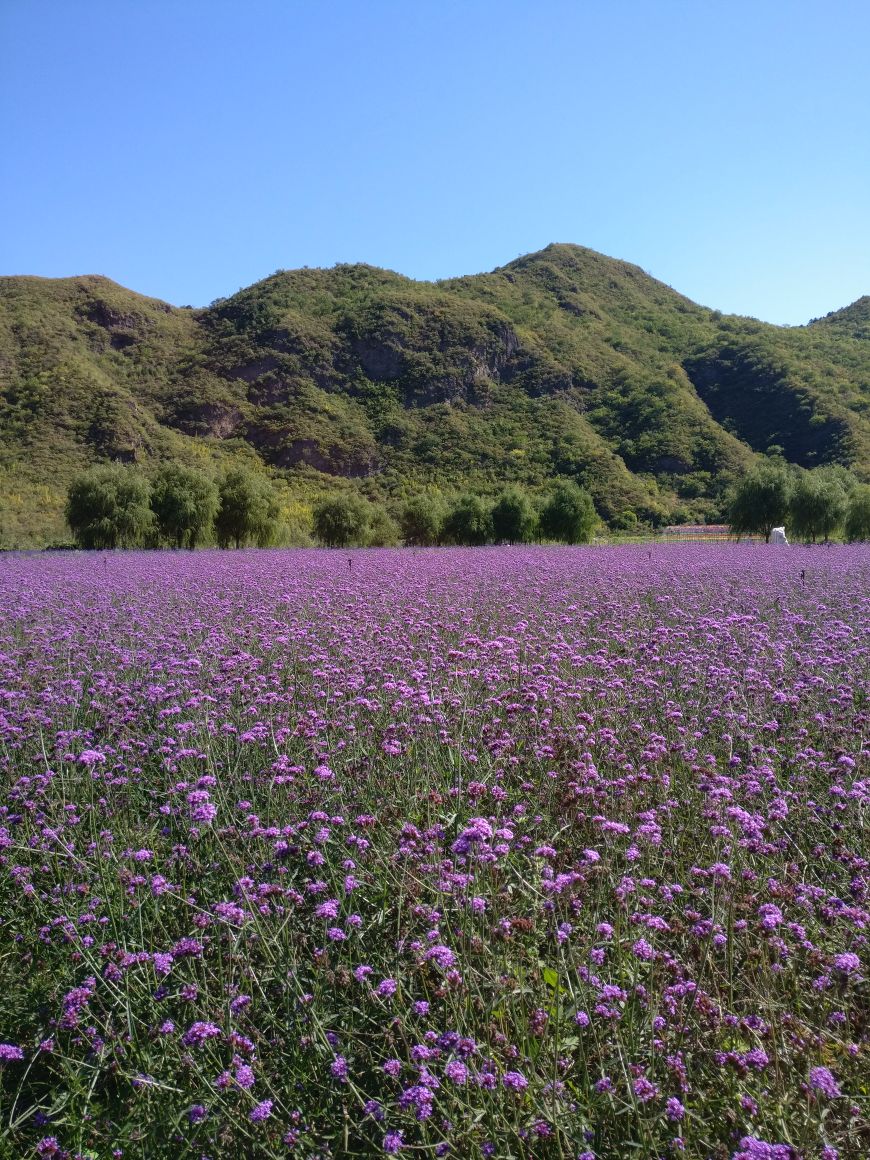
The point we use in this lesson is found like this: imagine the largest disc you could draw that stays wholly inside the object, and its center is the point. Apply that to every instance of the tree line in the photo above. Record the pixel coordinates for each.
(566, 514)
(114, 506)
(812, 505)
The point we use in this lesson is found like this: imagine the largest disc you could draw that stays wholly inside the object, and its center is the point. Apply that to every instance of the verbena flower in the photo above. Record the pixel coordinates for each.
(515, 1080)
(822, 1081)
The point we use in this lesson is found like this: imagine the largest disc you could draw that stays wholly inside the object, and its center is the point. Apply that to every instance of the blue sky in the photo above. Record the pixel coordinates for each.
(189, 147)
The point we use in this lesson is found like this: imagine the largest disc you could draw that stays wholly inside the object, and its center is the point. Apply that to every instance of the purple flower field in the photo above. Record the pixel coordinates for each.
(502, 852)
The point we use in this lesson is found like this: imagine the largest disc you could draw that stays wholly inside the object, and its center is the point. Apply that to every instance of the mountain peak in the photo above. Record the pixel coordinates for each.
(853, 319)
(564, 363)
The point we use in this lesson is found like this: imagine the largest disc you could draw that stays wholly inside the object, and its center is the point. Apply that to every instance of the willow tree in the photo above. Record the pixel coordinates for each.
(247, 512)
(108, 507)
(760, 501)
(185, 503)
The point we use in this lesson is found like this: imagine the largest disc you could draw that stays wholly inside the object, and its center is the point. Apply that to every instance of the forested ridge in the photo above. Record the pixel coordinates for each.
(564, 364)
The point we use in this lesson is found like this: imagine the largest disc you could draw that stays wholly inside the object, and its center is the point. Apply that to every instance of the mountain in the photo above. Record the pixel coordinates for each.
(562, 363)
(852, 320)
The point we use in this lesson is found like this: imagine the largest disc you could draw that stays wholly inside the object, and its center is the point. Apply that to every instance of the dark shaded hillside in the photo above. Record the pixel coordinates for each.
(761, 400)
(563, 363)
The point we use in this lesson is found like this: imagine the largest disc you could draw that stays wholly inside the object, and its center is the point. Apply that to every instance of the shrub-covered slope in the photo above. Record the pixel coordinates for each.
(562, 363)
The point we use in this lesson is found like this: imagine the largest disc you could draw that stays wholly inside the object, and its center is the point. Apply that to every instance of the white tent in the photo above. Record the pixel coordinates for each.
(777, 536)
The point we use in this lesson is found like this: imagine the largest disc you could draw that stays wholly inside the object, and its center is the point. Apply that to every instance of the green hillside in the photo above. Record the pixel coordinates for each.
(562, 363)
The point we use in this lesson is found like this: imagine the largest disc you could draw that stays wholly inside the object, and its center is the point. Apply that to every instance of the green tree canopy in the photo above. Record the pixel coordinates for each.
(247, 511)
(185, 502)
(107, 507)
(341, 520)
(468, 522)
(818, 505)
(382, 531)
(624, 521)
(858, 514)
(760, 501)
(513, 518)
(568, 514)
(421, 521)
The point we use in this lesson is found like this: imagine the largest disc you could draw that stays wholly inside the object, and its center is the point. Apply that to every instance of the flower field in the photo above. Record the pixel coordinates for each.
(512, 853)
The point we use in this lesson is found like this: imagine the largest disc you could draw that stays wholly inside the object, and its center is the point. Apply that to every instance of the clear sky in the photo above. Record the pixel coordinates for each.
(189, 147)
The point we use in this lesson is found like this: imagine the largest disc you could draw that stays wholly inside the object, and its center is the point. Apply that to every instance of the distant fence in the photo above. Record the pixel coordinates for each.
(705, 534)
